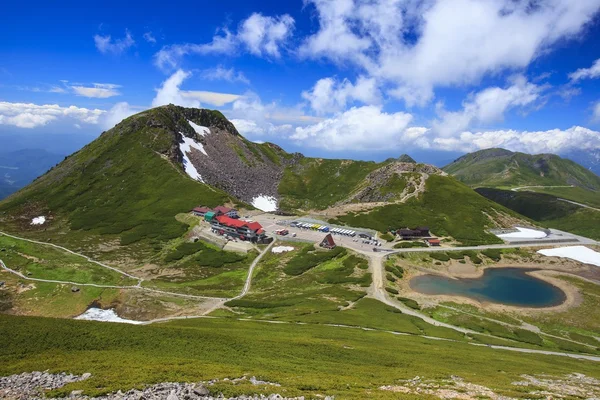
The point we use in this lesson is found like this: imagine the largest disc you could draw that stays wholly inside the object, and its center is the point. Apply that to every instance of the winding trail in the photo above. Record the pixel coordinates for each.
(140, 280)
(579, 204)
(376, 291)
(248, 282)
(529, 187)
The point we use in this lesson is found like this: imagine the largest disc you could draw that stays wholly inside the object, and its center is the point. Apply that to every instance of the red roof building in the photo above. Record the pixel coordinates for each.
(222, 210)
(200, 211)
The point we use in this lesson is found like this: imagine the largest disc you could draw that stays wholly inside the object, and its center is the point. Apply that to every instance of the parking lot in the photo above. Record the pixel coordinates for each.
(272, 223)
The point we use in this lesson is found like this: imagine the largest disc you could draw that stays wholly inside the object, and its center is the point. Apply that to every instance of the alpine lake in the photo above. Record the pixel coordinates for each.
(509, 286)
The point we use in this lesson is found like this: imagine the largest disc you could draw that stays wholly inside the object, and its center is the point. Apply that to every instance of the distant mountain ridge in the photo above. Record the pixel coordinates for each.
(504, 168)
(130, 184)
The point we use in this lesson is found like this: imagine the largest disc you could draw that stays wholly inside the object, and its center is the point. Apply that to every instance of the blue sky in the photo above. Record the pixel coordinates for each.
(339, 78)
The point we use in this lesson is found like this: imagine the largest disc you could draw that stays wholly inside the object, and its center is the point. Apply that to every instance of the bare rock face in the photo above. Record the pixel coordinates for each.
(411, 175)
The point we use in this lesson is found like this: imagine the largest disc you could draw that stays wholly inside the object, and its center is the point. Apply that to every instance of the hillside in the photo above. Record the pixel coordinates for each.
(129, 184)
(505, 169)
(548, 210)
(19, 168)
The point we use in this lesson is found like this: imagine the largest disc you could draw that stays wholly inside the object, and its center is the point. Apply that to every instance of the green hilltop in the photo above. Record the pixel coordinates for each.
(506, 169)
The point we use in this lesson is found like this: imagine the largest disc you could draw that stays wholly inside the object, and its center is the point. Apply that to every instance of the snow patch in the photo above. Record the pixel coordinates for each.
(281, 249)
(98, 314)
(524, 233)
(38, 220)
(577, 253)
(200, 130)
(186, 147)
(265, 203)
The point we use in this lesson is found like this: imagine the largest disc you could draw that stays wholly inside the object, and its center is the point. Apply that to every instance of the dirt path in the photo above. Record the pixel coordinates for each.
(579, 204)
(248, 282)
(529, 187)
(76, 254)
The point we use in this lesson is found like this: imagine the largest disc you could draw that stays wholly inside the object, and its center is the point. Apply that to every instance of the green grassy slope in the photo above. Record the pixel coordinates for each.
(307, 360)
(448, 207)
(548, 211)
(122, 184)
(502, 168)
(319, 183)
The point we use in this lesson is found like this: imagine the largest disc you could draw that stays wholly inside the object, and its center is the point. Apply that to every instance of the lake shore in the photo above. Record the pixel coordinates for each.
(456, 270)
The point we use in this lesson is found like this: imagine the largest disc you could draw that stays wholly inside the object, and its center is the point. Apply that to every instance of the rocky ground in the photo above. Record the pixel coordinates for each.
(34, 385)
(545, 387)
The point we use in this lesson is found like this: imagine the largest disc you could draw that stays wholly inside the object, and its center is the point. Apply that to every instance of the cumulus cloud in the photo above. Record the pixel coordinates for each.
(264, 35)
(487, 106)
(97, 90)
(220, 73)
(329, 95)
(586, 73)
(106, 45)
(258, 34)
(360, 128)
(28, 115)
(551, 141)
(117, 113)
(420, 45)
(170, 93)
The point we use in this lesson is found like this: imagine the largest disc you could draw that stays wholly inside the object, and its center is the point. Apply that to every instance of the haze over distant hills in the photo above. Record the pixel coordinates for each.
(21, 167)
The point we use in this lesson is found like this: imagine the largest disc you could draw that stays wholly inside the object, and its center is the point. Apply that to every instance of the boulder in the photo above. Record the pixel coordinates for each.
(74, 289)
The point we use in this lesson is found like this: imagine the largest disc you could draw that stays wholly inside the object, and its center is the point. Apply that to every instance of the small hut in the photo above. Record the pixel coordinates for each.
(328, 242)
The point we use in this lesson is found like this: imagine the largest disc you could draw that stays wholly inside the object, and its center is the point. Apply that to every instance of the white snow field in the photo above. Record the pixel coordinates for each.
(200, 130)
(524, 233)
(186, 147)
(98, 314)
(265, 203)
(577, 253)
(38, 220)
(281, 249)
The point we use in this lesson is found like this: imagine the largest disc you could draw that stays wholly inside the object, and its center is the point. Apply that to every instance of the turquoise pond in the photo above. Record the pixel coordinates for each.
(510, 286)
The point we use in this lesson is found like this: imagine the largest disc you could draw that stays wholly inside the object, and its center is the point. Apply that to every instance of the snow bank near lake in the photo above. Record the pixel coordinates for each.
(524, 233)
(186, 147)
(200, 130)
(281, 249)
(98, 314)
(577, 253)
(38, 220)
(265, 203)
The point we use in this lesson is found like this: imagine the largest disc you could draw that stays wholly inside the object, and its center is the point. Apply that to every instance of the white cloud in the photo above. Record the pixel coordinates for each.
(117, 113)
(224, 74)
(260, 35)
(363, 128)
(212, 98)
(98, 90)
(534, 142)
(105, 44)
(596, 111)
(170, 93)
(586, 73)
(28, 115)
(252, 129)
(148, 37)
(264, 35)
(329, 96)
(420, 45)
(487, 106)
